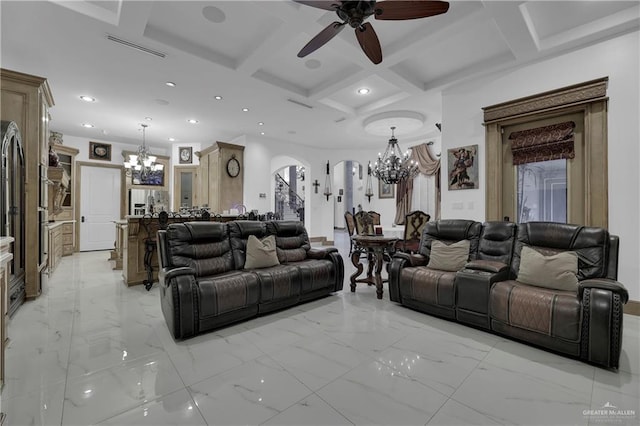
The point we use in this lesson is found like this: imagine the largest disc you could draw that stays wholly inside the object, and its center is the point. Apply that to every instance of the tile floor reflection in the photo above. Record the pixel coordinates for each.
(92, 351)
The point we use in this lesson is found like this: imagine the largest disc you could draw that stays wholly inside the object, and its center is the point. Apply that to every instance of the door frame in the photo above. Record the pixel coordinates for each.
(589, 97)
(78, 193)
(177, 186)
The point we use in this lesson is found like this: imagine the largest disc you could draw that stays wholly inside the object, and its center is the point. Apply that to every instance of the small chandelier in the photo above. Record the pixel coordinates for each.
(143, 162)
(394, 166)
(369, 191)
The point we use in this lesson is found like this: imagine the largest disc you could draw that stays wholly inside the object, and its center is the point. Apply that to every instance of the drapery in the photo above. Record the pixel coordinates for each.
(543, 143)
(427, 165)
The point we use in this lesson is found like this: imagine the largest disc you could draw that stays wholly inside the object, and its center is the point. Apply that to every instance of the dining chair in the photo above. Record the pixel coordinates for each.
(351, 228)
(364, 223)
(414, 223)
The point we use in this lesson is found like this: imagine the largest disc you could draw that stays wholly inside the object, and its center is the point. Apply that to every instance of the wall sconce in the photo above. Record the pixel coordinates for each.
(369, 191)
(327, 184)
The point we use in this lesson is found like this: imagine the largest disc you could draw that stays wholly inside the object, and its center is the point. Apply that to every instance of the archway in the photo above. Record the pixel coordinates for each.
(290, 190)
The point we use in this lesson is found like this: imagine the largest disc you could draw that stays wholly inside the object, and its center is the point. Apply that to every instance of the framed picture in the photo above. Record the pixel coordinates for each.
(185, 154)
(463, 170)
(154, 178)
(99, 151)
(386, 190)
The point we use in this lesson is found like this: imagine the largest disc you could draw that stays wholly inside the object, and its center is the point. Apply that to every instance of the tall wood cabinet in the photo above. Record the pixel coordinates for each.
(217, 188)
(62, 196)
(26, 99)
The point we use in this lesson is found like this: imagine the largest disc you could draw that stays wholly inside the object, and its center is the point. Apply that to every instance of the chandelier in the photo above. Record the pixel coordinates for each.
(143, 162)
(394, 166)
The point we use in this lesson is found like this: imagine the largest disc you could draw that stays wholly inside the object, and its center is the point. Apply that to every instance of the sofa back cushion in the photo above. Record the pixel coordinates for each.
(590, 244)
(451, 231)
(203, 246)
(292, 241)
(497, 241)
(557, 271)
(239, 231)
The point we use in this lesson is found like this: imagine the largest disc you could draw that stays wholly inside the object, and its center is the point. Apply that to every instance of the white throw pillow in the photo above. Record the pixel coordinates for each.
(261, 253)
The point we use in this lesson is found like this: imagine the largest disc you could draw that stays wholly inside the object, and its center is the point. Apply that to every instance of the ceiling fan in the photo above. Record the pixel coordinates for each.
(355, 13)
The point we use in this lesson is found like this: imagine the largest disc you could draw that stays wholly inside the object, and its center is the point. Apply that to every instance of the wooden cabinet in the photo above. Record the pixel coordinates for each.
(62, 196)
(67, 159)
(5, 257)
(55, 245)
(217, 188)
(26, 100)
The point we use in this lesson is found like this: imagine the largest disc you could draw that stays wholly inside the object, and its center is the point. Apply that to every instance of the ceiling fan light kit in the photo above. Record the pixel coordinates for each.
(355, 13)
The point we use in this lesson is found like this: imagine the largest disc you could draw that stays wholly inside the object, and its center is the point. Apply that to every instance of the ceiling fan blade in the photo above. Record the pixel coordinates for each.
(323, 37)
(326, 5)
(369, 42)
(396, 10)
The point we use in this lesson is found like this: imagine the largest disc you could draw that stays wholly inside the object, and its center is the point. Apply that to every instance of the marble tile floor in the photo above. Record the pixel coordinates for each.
(92, 351)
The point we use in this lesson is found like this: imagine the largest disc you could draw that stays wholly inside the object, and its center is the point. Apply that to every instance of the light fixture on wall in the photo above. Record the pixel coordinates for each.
(327, 184)
(394, 166)
(142, 161)
(369, 189)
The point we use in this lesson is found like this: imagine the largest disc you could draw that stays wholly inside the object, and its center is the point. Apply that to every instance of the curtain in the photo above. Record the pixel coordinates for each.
(543, 143)
(428, 165)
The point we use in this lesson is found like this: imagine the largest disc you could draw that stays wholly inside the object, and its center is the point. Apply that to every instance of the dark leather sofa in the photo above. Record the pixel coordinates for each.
(486, 293)
(203, 283)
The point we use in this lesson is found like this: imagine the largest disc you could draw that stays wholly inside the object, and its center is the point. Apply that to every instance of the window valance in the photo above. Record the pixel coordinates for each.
(543, 143)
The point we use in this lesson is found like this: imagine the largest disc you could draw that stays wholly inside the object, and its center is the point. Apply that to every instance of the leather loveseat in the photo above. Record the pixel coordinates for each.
(203, 283)
(584, 322)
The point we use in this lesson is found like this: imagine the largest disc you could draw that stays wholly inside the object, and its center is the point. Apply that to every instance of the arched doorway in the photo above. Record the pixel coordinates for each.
(290, 190)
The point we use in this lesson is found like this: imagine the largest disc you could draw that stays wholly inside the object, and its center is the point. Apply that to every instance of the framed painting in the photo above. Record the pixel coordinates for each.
(99, 151)
(185, 153)
(463, 170)
(386, 190)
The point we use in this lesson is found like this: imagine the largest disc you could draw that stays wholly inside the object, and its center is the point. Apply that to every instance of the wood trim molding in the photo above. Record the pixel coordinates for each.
(590, 99)
(632, 308)
(565, 96)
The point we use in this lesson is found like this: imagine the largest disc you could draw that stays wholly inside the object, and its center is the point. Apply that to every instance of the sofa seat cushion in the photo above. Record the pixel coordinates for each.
(427, 285)
(227, 292)
(316, 274)
(555, 313)
(278, 282)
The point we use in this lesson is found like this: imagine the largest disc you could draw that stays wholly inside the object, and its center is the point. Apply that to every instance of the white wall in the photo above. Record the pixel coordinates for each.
(618, 59)
(82, 144)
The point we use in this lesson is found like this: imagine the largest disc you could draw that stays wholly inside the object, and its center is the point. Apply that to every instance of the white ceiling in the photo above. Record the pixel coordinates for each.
(248, 56)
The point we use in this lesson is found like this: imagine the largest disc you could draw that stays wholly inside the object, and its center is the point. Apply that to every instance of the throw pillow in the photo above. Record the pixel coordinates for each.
(557, 272)
(450, 257)
(261, 253)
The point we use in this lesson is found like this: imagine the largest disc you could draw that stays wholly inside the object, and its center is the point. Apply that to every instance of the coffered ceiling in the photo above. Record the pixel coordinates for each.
(245, 51)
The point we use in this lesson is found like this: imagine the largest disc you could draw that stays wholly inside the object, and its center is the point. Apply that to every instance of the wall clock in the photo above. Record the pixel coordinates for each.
(233, 167)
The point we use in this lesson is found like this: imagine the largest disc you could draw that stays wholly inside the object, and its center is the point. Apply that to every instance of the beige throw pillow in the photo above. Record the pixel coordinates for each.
(557, 272)
(261, 253)
(450, 257)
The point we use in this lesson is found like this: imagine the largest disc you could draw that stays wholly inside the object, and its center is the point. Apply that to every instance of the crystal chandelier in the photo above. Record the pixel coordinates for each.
(143, 162)
(394, 166)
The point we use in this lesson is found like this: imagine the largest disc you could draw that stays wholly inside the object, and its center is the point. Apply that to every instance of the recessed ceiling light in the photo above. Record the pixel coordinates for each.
(87, 98)
(192, 121)
(148, 118)
(213, 14)
(245, 109)
(170, 84)
(87, 125)
(260, 123)
(363, 91)
(217, 98)
(172, 139)
(262, 133)
(162, 102)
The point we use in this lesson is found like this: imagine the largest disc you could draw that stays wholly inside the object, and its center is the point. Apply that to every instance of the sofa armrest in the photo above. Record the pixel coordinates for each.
(486, 266)
(412, 259)
(604, 284)
(320, 252)
(165, 274)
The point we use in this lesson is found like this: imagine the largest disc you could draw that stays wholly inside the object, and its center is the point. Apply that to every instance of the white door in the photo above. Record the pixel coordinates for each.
(99, 207)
